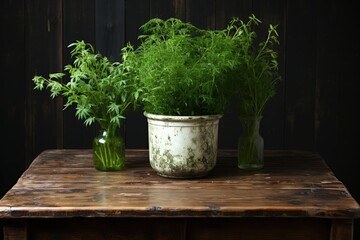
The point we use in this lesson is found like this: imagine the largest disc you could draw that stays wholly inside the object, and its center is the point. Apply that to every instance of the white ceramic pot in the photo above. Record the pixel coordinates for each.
(183, 146)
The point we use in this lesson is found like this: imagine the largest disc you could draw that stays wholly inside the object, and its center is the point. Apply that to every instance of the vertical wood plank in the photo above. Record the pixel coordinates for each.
(57, 25)
(110, 28)
(327, 81)
(78, 24)
(180, 9)
(43, 31)
(201, 13)
(225, 10)
(300, 74)
(167, 8)
(137, 13)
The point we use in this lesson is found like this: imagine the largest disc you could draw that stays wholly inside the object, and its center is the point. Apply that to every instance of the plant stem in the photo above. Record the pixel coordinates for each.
(109, 150)
(250, 146)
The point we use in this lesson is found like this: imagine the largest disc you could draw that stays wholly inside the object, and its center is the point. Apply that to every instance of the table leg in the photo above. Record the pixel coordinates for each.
(15, 230)
(342, 229)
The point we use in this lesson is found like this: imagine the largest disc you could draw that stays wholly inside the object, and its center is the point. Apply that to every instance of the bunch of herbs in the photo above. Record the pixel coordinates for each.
(256, 77)
(102, 91)
(257, 74)
(183, 69)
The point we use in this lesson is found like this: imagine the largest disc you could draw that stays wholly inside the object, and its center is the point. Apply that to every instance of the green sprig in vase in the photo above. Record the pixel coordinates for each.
(257, 75)
(102, 91)
(109, 149)
(250, 144)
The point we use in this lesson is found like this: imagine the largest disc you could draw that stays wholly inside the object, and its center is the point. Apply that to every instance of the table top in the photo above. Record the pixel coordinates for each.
(63, 183)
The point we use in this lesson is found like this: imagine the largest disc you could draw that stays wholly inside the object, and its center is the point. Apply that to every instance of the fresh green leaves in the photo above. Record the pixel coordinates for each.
(257, 72)
(102, 91)
(178, 69)
(183, 69)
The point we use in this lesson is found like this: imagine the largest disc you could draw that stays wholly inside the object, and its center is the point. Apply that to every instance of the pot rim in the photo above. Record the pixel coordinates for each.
(211, 117)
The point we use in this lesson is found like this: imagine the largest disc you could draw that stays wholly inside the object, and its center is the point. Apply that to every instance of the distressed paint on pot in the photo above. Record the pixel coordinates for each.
(182, 146)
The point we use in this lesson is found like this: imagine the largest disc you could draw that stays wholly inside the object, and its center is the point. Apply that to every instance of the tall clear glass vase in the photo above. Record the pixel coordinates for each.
(109, 149)
(250, 144)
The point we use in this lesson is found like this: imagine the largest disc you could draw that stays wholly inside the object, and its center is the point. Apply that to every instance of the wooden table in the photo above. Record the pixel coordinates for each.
(61, 196)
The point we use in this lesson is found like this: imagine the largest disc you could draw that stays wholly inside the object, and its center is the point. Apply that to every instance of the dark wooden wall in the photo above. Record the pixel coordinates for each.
(314, 109)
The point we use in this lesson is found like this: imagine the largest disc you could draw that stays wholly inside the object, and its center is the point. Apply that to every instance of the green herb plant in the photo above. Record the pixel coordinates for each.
(183, 70)
(257, 72)
(102, 91)
(256, 77)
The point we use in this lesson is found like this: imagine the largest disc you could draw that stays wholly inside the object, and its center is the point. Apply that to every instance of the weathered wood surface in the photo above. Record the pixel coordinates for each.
(63, 183)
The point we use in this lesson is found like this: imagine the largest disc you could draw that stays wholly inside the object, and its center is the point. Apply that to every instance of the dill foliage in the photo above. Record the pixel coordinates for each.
(184, 70)
(257, 74)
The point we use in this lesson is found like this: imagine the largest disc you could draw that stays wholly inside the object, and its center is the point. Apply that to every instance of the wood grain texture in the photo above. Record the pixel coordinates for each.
(63, 183)
(342, 229)
(110, 28)
(15, 230)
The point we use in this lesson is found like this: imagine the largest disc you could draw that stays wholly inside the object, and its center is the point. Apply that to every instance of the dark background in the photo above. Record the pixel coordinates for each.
(315, 107)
